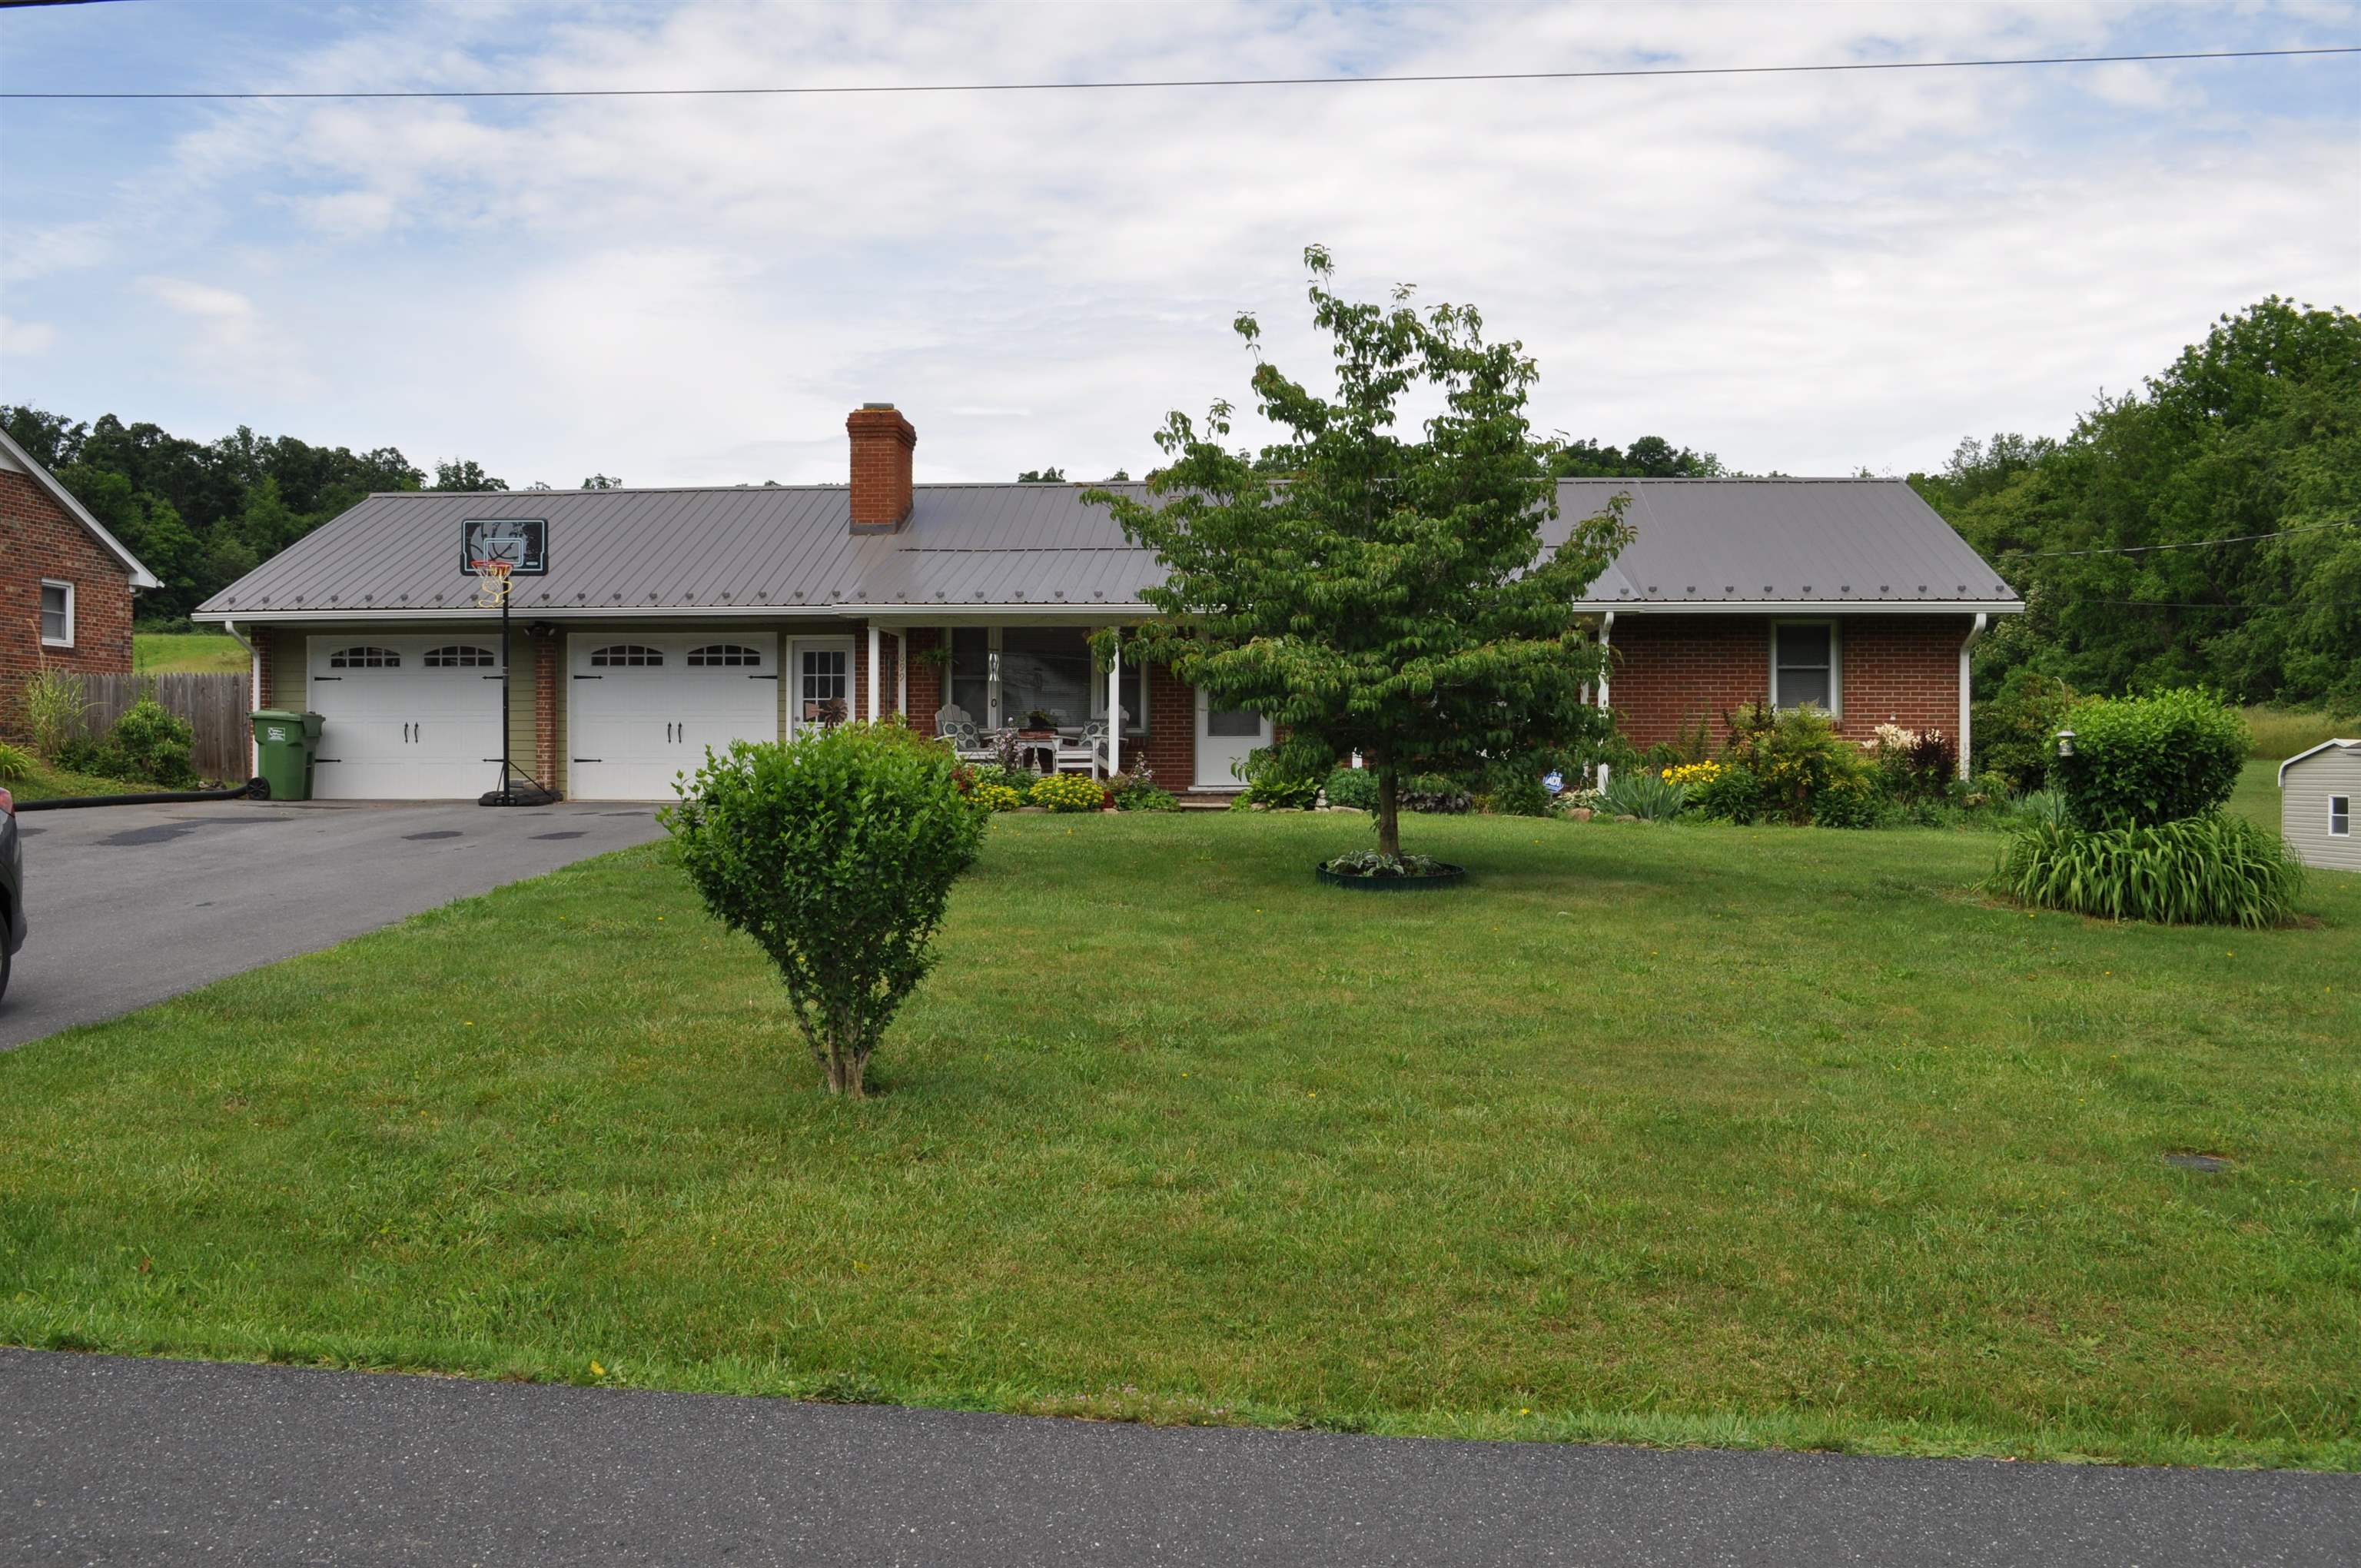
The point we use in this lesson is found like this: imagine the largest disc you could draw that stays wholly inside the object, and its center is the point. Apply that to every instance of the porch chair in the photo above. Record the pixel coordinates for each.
(1083, 749)
(952, 724)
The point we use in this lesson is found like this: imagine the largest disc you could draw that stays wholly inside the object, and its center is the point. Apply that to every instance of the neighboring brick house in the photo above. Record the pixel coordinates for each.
(669, 621)
(65, 581)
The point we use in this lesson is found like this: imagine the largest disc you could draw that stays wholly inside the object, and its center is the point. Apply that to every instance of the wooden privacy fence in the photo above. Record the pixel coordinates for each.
(214, 706)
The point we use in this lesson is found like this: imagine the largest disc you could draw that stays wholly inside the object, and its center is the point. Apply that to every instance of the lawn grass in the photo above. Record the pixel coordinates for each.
(199, 653)
(1656, 1133)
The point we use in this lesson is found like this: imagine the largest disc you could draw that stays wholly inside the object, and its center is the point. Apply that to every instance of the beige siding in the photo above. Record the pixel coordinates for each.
(2303, 808)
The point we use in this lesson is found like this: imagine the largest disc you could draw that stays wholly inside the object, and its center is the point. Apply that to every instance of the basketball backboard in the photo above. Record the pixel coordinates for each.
(522, 542)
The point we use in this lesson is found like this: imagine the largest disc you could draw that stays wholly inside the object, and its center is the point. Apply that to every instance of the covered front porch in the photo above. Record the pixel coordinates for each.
(1035, 671)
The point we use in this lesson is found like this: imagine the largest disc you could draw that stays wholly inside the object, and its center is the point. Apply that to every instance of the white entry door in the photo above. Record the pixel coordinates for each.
(819, 681)
(1225, 737)
(644, 707)
(408, 717)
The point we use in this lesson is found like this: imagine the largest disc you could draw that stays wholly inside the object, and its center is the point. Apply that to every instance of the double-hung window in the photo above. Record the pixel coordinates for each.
(1803, 665)
(2340, 815)
(56, 614)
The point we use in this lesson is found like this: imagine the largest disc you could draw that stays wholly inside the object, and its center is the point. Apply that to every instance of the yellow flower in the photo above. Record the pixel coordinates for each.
(597, 1370)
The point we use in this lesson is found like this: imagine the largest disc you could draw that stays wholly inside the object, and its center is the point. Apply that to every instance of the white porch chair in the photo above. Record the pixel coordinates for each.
(968, 743)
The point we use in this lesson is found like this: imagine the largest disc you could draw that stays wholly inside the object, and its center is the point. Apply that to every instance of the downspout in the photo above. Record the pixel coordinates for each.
(1606, 632)
(1975, 633)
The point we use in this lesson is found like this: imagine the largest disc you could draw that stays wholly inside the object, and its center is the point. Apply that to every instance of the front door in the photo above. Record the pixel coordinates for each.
(819, 681)
(1225, 737)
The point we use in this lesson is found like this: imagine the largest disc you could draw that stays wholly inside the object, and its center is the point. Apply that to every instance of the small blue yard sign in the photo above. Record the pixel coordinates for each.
(1555, 783)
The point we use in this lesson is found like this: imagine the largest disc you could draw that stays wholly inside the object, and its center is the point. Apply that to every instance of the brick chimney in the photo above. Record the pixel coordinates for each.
(881, 442)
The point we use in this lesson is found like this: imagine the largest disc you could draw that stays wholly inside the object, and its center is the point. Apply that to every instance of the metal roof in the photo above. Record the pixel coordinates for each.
(789, 549)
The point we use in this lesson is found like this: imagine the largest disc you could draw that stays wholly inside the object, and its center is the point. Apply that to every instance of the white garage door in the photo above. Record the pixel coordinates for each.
(642, 708)
(415, 718)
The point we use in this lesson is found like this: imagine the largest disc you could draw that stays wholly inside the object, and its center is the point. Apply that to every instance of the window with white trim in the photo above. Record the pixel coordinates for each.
(2340, 815)
(625, 655)
(1803, 665)
(364, 659)
(457, 656)
(56, 614)
(724, 653)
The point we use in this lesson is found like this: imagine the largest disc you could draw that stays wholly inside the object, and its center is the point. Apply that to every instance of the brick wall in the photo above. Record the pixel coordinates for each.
(39, 539)
(1673, 670)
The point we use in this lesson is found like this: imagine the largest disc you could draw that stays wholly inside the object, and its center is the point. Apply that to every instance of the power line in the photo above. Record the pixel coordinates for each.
(1597, 75)
(2185, 544)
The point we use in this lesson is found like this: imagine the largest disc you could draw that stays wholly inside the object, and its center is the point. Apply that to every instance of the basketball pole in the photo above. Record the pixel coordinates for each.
(507, 674)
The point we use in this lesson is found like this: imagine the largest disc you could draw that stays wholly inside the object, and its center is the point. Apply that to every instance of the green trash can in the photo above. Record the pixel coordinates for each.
(284, 746)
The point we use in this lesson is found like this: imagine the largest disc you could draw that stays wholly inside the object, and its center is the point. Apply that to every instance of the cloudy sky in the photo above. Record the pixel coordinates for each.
(1806, 273)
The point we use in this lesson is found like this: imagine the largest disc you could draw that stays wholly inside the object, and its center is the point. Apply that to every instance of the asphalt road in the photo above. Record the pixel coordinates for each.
(131, 904)
(120, 1462)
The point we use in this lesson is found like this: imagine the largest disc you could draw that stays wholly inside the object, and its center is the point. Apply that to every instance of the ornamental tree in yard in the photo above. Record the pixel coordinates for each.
(1370, 591)
(836, 853)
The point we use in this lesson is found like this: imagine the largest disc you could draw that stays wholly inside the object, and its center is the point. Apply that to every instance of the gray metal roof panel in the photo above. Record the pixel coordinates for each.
(1695, 541)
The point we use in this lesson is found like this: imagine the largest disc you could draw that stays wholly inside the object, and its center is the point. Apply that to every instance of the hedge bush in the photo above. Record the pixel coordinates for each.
(1356, 787)
(2143, 760)
(836, 853)
(2014, 734)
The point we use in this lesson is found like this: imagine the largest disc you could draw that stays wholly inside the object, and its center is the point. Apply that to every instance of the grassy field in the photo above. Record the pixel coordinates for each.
(1669, 1134)
(201, 653)
(2279, 733)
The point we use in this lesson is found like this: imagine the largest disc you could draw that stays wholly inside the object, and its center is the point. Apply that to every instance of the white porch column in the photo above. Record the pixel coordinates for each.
(1114, 709)
(902, 673)
(876, 672)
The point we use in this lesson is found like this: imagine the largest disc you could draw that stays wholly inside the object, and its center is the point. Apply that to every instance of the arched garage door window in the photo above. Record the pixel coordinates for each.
(364, 659)
(619, 655)
(457, 656)
(718, 654)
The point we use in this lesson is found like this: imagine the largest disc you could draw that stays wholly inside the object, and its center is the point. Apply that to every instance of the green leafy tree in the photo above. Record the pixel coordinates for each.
(2202, 529)
(836, 854)
(466, 474)
(602, 482)
(1042, 477)
(1394, 597)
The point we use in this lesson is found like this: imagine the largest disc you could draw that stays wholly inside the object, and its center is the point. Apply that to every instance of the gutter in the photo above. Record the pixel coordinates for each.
(1975, 635)
(253, 690)
(885, 615)
(1606, 632)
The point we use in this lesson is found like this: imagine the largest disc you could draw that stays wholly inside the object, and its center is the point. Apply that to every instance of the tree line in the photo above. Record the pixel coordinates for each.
(2204, 530)
(202, 514)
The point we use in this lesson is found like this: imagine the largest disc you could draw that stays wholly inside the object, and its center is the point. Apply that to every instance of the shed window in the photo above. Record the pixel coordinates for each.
(364, 659)
(731, 654)
(625, 655)
(457, 656)
(2340, 815)
(56, 614)
(1803, 664)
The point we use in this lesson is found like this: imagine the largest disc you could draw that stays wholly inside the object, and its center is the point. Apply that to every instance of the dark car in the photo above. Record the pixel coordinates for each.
(12, 890)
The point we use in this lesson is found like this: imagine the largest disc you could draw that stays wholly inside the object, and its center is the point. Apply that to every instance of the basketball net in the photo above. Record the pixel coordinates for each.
(492, 582)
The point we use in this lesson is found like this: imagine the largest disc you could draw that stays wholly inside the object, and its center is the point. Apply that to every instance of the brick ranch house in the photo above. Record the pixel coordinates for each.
(669, 621)
(66, 581)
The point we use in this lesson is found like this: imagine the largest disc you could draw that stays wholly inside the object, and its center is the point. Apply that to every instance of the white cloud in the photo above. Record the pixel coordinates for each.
(26, 337)
(1805, 273)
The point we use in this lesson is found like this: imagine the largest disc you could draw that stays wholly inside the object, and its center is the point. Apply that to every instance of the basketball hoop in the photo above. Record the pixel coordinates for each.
(491, 583)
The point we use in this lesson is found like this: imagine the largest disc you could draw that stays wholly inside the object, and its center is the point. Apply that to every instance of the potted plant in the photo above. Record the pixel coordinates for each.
(1038, 724)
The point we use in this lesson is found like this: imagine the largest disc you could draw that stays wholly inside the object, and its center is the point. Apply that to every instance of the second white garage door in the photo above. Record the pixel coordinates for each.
(642, 708)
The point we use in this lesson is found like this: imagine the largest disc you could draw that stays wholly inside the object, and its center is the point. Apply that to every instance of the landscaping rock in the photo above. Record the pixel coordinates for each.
(1627, 818)
(1037, 810)
(1580, 814)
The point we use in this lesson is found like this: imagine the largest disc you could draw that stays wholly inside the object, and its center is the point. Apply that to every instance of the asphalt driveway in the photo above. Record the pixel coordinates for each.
(158, 1462)
(130, 904)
